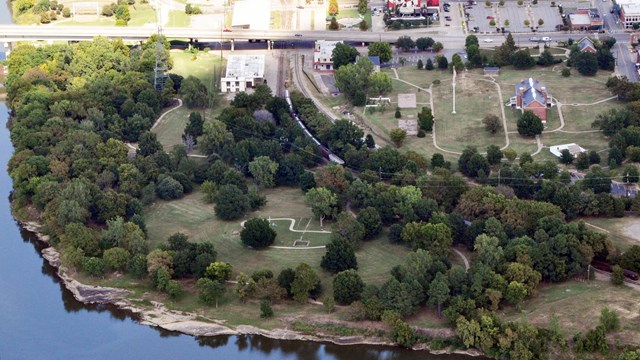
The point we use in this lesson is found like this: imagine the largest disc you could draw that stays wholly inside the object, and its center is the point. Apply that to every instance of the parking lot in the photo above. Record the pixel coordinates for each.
(516, 16)
(550, 16)
(480, 16)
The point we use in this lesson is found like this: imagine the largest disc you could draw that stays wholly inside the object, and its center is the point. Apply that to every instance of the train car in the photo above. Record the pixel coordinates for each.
(326, 153)
(631, 275)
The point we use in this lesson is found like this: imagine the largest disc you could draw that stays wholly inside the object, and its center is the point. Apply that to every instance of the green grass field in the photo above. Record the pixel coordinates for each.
(178, 18)
(202, 67)
(191, 216)
(577, 306)
(579, 118)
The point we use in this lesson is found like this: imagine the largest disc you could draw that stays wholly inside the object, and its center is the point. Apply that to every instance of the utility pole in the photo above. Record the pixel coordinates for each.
(453, 84)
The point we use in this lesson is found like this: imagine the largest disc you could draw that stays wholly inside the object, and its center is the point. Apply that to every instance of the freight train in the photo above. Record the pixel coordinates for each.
(604, 266)
(326, 153)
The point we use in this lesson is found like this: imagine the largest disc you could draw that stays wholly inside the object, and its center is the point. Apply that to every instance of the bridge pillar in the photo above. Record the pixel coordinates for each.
(232, 45)
(268, 44)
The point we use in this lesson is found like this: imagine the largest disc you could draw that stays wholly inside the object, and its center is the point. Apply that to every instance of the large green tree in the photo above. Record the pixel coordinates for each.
(339, 257)
(343, 54)
(263, 170)
(323, 202)
(347, 287)
(231, 202)
(304, 282)
(257, 233)
(381, 49)
(529, 124)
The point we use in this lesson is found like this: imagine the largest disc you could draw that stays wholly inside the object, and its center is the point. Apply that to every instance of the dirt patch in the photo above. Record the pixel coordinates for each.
(632, 230)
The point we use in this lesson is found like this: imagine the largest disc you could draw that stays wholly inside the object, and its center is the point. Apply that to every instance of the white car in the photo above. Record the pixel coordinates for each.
(488, 40)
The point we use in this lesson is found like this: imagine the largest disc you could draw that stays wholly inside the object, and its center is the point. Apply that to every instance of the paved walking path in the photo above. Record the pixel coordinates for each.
(464, 258)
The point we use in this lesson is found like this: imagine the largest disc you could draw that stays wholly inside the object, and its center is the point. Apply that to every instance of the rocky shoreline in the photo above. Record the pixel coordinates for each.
(188, 323)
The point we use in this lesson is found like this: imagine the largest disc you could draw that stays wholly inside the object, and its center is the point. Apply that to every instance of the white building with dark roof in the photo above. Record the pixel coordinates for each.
(243, 71)
(322, 53)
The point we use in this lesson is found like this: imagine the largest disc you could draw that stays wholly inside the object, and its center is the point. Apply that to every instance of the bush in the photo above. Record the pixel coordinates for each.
(265, 309)
(174, 289)
(169, 189)
(257, 233)
(347, 287)
(566, 72)
(94, 266)
(116, 258)
(421, 133)
(231, 203)
(329, 304)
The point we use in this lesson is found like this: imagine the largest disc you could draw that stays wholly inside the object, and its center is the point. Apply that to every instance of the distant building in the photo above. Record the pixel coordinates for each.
(628, 11)
(243, 71)
(573, 149)
(322, 54)
(532, 95)
(586, 19)
(375, 60)
(586, 45)
(251, 14)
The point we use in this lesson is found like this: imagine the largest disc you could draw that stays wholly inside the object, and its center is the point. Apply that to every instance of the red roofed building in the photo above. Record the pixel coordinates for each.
(532, 95)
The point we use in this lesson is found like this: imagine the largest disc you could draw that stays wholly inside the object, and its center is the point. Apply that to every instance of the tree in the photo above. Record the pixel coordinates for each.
(381, 49)
(304, 282)
(333, 7)
(471, 162)
(405, 43)
(425, 119)
(398, 136)
(169, 189)
(347, 287)
(116, 258)
(546, 58)
(522, 59)
(429, 66)
(630, 174)
(438, 291)
(587, 63)
(617, 276)
(349, 229)
(343, 54)
(494, 154)
(609, 320)
(491, 123)
(231, 203)
(265, 309)
(194, 93)
(264, 170)
(285, 279)
(257, 233)
(215, 137)
(94, 266)
(566, 157)
(379, 83)
(437, 46)
(606, 60)
(433, 237)
(339, 256)
(398, 114)
(370, 220)
(597, 180)
(148, 144)
(510, 154)
(423, 43)
(582, 161)
(218, 271)
(353, 80)
(529, 124)
(209, 291)
(516, 292)
(442, 61)
(323, 202)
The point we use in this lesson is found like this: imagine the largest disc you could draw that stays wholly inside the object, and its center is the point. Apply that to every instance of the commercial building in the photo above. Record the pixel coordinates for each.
(322, 53)
(586, 19)
(532, 95)
(243, 71)
(629, 12)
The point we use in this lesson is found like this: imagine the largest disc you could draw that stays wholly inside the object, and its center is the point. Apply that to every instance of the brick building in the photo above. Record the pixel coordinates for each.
(532, 95)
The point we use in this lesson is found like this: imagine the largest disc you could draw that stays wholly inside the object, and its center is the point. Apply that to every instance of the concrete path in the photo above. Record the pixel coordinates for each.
(464, 258)
(293, 222)
(166, 112)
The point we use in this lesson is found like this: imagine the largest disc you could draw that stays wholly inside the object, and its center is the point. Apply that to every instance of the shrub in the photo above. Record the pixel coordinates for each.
(566, 72)
(265, 309)
(421, 133)
(94, 266)
(169, 188)
(257, 233)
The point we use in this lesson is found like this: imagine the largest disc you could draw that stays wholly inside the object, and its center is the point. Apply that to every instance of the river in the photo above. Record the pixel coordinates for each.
(41, 319)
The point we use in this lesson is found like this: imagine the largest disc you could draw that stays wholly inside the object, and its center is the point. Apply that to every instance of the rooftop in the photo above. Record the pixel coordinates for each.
(375, 60)
(573, 149)
(325, 47)
(245, 66)
(632, 8)
(252, 14)
(585, 42)
(533, 90)
(580, 19)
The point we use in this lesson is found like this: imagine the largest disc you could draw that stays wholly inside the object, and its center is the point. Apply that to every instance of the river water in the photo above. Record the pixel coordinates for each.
(40, 319)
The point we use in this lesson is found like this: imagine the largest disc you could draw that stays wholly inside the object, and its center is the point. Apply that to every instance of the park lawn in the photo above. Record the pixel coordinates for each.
(523, 144)
(276, 20)
(577, 306)
(141, 14)
(178, 18)
(203, 67)
(624, 232)
(579, 118)
(474, 100)
(574, 89)
(422, 78)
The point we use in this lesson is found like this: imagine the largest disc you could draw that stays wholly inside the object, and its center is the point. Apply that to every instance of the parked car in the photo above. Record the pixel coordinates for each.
(490, 17)
(488, 40)
(298, 35)
(226, 30)
(448, 18)
(446, 10)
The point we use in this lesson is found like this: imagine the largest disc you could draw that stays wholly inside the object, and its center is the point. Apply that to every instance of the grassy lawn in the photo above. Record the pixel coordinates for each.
(276, 20)
(590, 141)
(142, 14)
(474, 100)
(202, 67)
(191, 216)
(178, 18)
(579, 118)
(577, 306)
(624, 232)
